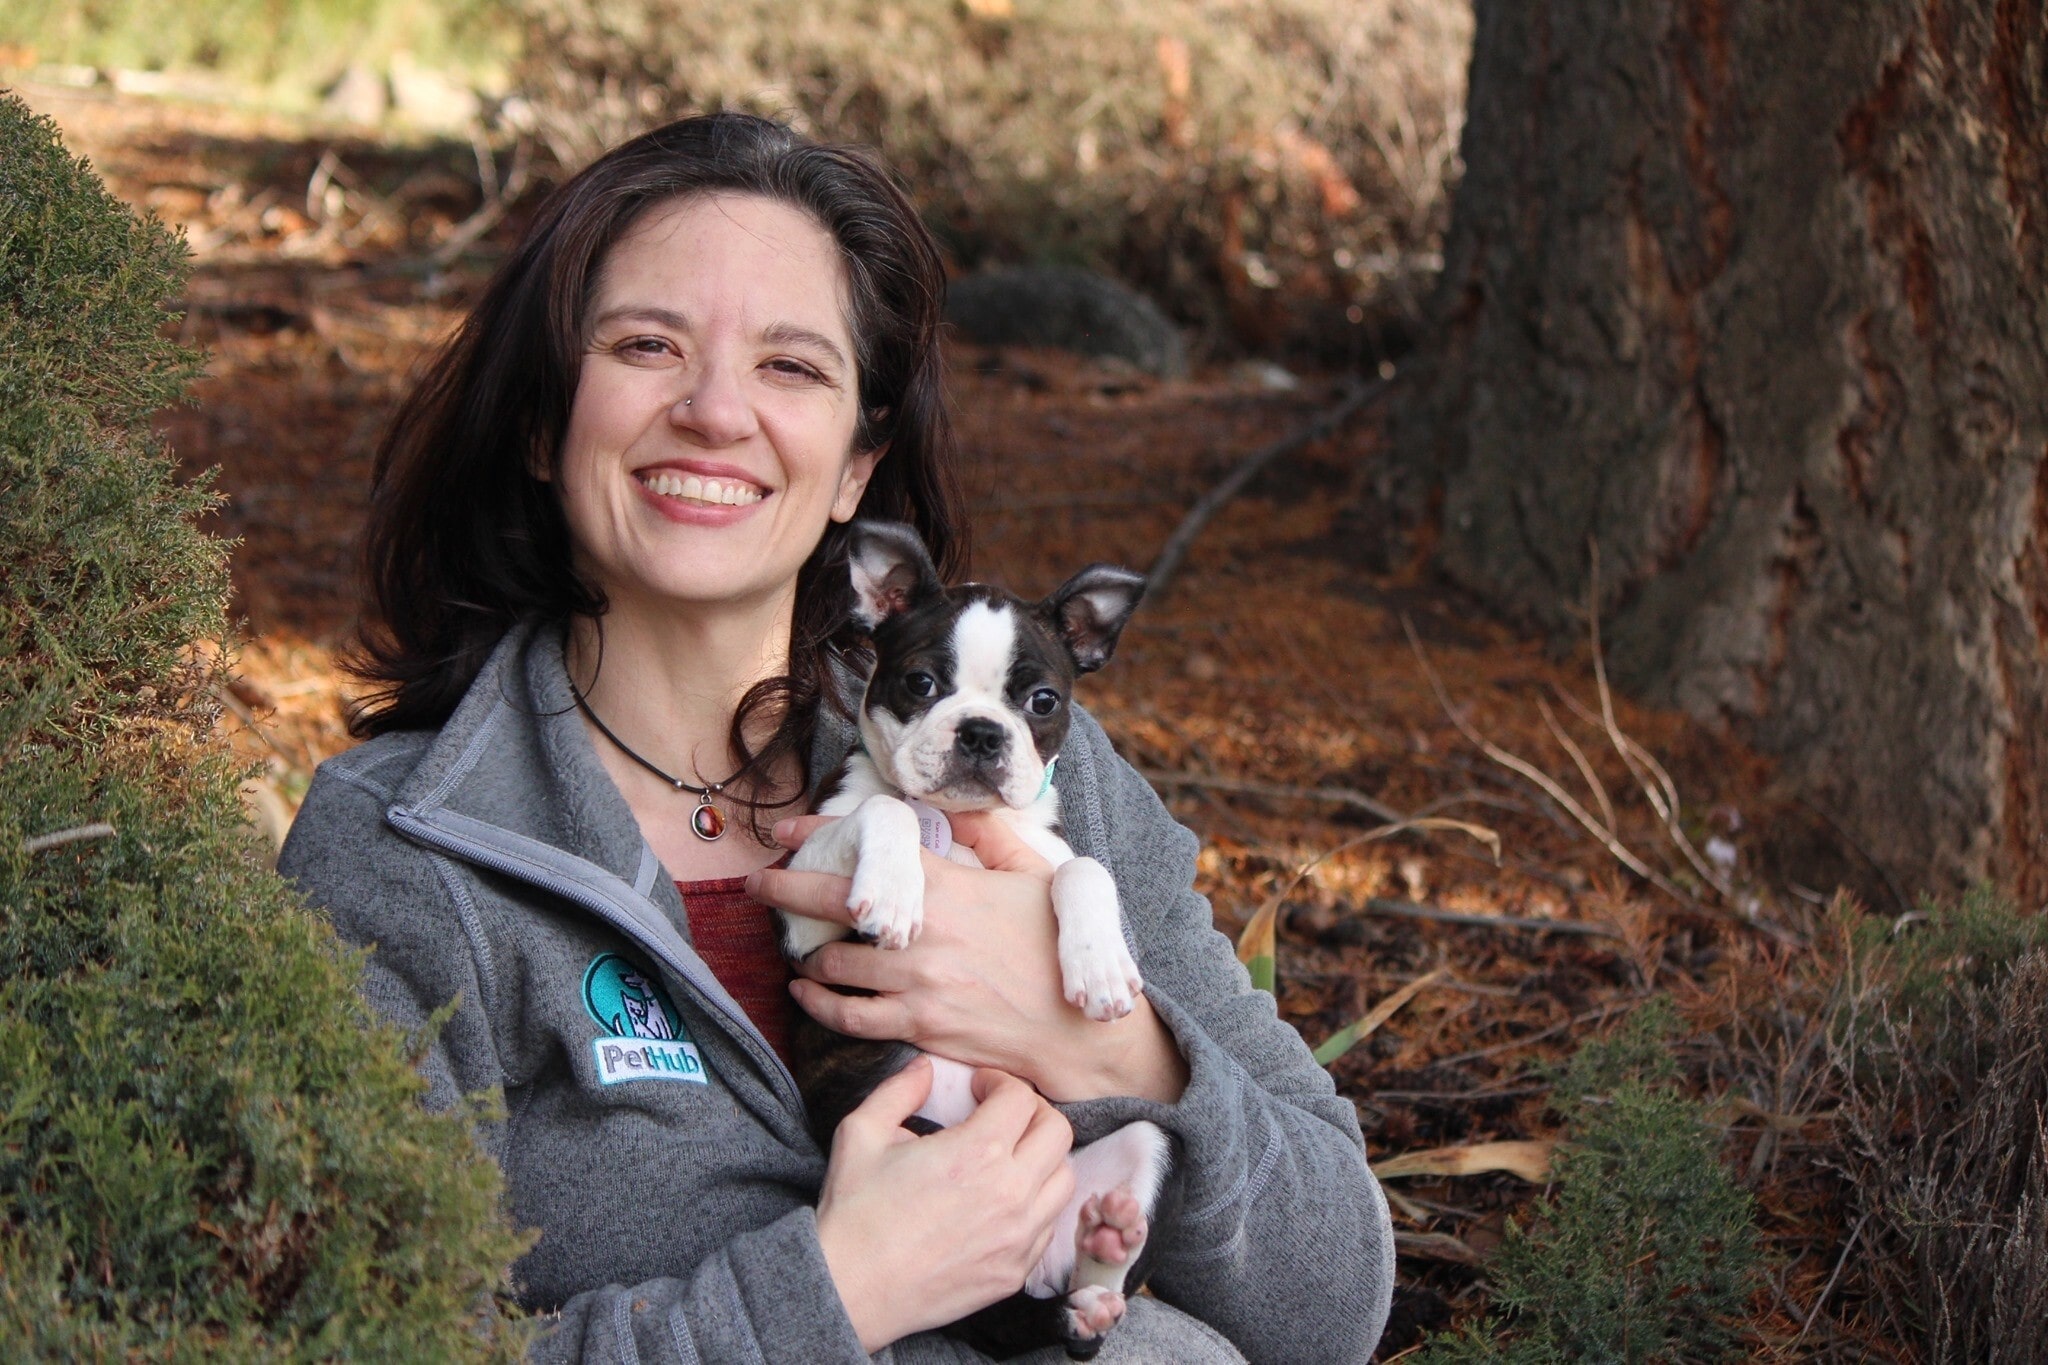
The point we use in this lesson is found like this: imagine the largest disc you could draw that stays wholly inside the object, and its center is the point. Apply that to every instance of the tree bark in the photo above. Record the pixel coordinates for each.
(1754, 293)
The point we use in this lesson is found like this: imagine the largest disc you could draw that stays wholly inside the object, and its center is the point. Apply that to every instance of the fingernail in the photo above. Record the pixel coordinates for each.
(753, 883)
(782, 832)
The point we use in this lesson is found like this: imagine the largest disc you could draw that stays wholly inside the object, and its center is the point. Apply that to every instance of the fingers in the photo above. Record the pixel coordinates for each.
(1006, 1105)
(881, 1114)
(792, 832)
(815, 895)
(996, 844)
(1047, 1139)
(856, 1016)
(860, 965)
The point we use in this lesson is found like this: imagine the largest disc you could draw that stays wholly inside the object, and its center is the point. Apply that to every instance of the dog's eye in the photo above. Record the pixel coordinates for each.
(1043, 702)
(920, 684)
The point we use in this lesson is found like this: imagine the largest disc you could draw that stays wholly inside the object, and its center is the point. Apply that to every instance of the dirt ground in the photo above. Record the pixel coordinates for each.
(1272, 691)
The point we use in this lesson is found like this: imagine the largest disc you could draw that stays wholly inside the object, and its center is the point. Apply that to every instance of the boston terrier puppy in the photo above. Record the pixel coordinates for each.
(965, 711)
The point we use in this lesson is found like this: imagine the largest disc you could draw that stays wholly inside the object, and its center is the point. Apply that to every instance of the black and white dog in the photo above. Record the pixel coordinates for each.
(965, 711)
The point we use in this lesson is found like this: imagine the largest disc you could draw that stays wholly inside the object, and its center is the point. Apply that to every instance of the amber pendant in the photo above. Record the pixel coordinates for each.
(707, 822)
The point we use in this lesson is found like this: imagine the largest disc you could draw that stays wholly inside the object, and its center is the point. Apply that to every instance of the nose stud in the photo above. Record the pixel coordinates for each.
(688, 401)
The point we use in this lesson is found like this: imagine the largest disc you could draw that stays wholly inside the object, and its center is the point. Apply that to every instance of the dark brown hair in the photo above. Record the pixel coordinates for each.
(464, 542)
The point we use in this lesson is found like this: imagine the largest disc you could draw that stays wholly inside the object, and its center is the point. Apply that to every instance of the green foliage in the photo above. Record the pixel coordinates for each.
(1648, 1252)
(207, 1147)
(293, 46)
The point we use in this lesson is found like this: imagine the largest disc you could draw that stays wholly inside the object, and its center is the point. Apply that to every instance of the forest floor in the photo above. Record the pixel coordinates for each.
(1272, 691)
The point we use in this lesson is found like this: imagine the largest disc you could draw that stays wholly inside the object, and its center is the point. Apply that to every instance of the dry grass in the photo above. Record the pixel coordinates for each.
(1259, 166)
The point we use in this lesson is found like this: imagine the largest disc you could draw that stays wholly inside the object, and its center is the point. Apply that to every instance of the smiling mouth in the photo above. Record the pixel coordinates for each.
(700, 490)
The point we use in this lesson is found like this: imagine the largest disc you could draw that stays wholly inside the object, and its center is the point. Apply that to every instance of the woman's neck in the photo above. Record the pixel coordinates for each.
(667, 682)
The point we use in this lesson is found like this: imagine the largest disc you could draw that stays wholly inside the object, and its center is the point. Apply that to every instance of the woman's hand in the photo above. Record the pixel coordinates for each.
(981, 984)
(921, 1231)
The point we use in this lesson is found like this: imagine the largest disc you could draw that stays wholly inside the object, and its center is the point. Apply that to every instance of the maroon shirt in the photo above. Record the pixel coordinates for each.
(740, 942)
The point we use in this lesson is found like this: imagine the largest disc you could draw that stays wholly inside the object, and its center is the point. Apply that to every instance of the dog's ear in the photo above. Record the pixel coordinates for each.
(1090, 609)
(890, 568)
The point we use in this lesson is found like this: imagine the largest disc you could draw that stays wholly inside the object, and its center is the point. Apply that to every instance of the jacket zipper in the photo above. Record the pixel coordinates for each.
(418, 827)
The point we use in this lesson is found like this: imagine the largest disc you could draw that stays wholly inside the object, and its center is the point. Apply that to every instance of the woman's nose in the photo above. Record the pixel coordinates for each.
(714, 407)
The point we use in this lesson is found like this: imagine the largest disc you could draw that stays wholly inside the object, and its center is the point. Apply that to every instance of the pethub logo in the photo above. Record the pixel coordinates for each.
(645, 1038)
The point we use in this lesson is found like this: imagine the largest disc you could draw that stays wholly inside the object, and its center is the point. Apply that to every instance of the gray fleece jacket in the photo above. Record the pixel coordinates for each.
(656, 1141)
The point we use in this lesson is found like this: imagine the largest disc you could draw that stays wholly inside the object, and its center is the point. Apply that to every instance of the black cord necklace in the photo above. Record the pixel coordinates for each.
(707, 822)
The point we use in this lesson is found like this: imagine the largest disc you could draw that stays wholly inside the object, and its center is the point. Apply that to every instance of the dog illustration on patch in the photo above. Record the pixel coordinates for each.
(644, 1014)
(966, 710)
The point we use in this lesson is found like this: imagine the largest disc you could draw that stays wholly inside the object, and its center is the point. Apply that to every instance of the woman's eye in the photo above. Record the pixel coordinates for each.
(920, 684)
(793, 369)
(645, 346)
(1043, 702)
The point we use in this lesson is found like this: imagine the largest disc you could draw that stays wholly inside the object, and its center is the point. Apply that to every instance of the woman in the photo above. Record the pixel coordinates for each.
(609, 612)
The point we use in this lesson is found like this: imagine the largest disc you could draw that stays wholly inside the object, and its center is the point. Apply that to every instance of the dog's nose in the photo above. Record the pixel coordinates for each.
(979, 738)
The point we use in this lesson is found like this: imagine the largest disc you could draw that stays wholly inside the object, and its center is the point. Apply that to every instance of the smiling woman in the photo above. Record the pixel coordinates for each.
(609, 603)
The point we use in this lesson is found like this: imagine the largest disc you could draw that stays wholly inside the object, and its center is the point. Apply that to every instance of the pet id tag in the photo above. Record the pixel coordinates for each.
(933, 829)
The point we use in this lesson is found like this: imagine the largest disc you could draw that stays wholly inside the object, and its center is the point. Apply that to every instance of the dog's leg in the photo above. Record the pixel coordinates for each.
(877, 846)
(1097, 975)
(1102, 1229)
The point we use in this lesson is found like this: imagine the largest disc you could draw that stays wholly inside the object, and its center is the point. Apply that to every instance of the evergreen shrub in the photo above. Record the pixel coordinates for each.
(208, 1148)
(1648, 1252)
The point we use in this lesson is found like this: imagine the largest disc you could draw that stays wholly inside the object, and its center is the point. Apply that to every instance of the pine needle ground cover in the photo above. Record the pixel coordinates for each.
(207, 1149)
(1268, 692)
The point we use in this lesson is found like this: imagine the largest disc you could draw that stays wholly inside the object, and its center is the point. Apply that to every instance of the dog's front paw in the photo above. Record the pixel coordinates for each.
(887, 899)
(1098, 976)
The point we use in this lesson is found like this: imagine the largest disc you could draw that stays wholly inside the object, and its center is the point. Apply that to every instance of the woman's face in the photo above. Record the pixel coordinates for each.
(711, 435)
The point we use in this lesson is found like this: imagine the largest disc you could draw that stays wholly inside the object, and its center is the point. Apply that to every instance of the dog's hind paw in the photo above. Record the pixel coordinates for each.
(1112, 1228)
(1091, 1311)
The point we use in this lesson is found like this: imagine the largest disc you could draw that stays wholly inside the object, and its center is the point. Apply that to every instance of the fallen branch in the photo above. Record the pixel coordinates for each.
(99, 829)
(1204, 511)
(1380, 905)
(1434, 1246)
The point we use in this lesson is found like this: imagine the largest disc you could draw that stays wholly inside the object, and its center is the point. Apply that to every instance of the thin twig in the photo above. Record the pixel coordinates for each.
(1543, 780)
(1400, 909)
(1460, 1096)
(1571, 747)
(1663, 797)
(1829, 1287)
(1343, 796)
(1176, 549)
(495, 206)
(98, 829)
(1477, 1054)
(1550, 788)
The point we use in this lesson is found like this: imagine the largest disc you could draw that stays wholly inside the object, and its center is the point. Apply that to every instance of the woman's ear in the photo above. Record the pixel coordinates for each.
(853, 482)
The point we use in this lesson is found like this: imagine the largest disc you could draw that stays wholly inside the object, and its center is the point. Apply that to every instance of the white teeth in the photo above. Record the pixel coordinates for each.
(694, 488)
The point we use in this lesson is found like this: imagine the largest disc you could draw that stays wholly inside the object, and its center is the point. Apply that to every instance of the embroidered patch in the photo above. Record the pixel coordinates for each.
(646, 1040)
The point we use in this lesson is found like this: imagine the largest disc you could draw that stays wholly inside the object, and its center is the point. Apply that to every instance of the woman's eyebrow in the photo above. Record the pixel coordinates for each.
(637, 312)
(790, 334)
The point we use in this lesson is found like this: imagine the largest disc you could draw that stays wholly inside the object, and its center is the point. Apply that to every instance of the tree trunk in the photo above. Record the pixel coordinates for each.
(1752, 295)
